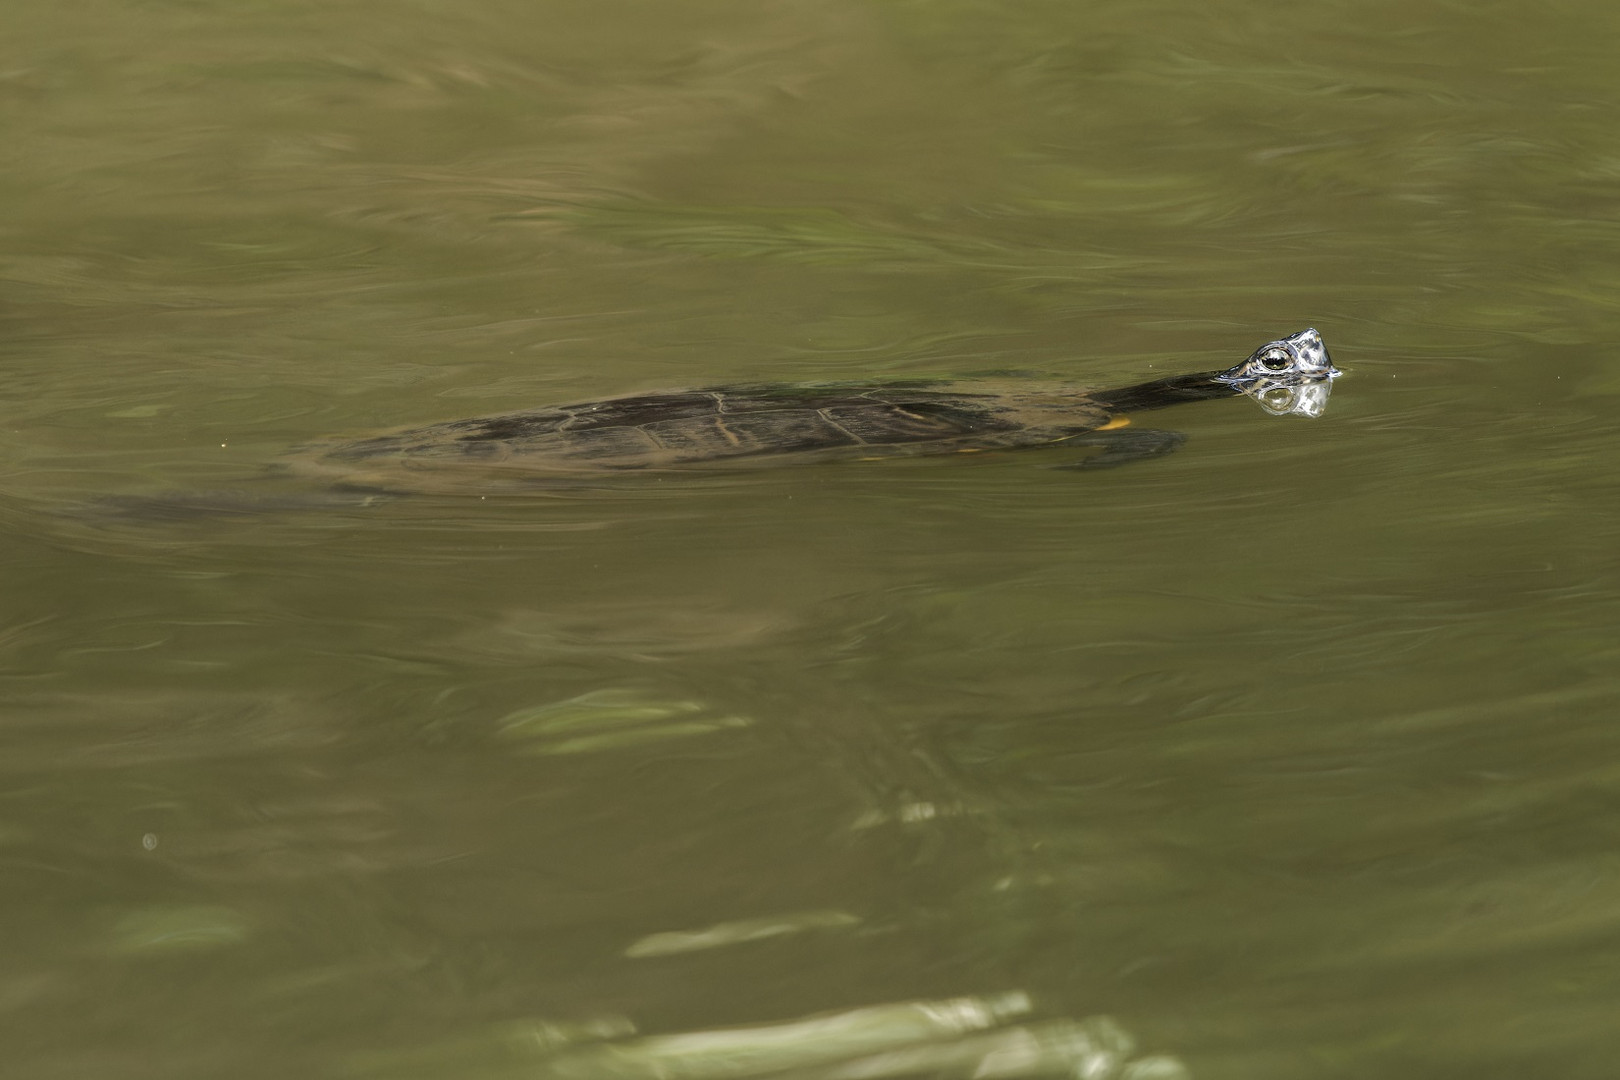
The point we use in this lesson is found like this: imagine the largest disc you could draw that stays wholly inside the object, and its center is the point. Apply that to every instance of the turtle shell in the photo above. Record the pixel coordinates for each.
(724, 424)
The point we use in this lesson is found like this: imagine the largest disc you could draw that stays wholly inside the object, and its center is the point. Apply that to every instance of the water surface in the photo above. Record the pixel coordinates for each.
(1292, 753)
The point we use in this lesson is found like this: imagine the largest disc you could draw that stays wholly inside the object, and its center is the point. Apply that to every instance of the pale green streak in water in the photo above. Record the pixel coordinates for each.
(1293, 752)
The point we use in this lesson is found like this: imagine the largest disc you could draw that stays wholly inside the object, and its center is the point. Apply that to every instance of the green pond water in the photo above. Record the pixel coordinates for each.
(1294, 754)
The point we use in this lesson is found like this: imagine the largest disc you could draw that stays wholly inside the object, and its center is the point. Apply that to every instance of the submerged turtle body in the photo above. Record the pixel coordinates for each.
(729, 424)
(725, 423)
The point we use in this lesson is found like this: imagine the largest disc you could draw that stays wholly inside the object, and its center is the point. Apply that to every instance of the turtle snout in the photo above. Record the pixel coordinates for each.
(1311, 355)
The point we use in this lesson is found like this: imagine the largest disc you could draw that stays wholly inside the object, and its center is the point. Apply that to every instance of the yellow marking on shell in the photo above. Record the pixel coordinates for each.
(971, 450)
(840, 428)
(1116, 422)
(731, 436)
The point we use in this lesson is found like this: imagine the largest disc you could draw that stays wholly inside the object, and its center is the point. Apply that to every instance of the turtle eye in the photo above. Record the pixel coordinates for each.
(1275, 359)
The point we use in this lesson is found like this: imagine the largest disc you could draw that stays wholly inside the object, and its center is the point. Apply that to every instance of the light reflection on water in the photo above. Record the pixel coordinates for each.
(1290, 750)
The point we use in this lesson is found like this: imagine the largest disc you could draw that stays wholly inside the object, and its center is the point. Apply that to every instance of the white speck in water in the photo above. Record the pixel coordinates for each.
(149, 841)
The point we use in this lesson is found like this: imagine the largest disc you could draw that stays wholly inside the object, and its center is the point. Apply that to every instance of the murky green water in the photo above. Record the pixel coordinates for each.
(1294, 753)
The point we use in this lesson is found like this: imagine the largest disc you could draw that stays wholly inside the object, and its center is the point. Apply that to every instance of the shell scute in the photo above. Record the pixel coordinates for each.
(781, 431)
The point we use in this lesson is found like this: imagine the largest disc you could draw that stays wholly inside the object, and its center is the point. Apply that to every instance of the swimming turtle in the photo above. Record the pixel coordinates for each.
(730, 423)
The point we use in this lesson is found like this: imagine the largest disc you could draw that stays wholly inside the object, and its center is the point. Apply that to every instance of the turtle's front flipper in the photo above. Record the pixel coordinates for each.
(1121, 446)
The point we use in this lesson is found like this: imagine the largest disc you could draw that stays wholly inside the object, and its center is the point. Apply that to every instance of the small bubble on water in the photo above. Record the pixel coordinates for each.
(149, 841)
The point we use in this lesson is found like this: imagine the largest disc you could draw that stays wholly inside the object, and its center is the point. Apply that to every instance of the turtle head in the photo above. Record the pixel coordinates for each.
(1302, 357)
(1291, 375)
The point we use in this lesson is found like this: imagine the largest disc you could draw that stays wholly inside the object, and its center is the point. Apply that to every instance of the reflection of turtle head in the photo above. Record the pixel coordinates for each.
(1292, 375)
(1293, 398)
